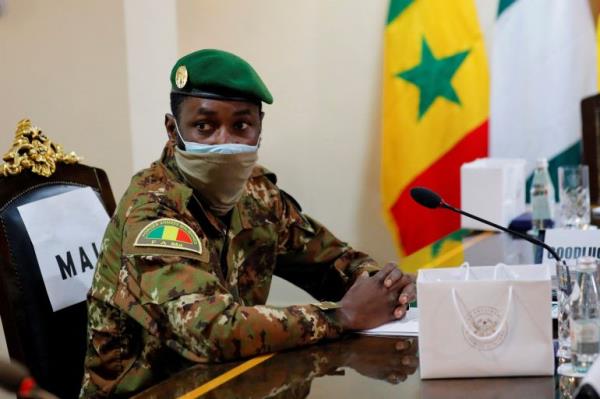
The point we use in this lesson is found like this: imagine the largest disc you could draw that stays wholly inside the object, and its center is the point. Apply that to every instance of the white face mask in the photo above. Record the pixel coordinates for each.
(227, 148)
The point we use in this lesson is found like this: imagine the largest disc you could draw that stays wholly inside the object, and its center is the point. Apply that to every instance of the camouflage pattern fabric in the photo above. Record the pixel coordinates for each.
(154, 311)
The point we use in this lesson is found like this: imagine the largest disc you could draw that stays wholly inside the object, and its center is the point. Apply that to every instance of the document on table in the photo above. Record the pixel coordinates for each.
(408, 326)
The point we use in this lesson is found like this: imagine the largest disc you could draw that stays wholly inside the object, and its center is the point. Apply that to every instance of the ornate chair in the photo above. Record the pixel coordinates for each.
(50, 343)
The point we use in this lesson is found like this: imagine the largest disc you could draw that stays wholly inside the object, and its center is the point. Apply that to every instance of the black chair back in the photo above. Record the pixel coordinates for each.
(51, 344)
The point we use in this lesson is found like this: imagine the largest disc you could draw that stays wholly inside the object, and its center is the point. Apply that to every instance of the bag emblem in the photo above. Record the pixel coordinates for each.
(485, 321)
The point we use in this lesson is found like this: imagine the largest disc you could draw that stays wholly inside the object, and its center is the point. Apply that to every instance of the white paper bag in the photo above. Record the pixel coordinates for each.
(485, 321)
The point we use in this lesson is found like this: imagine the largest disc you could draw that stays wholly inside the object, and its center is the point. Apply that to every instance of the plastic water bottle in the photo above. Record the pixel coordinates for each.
(542, 197)
(585, 316)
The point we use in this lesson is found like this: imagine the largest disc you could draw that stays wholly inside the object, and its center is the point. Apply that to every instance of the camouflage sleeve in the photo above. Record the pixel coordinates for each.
(183, 303)
(311, 257)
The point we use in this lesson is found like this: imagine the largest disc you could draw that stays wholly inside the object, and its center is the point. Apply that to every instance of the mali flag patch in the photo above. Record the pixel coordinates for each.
(169, 234)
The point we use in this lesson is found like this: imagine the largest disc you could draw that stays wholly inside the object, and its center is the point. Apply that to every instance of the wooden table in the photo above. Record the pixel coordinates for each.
(355, 367)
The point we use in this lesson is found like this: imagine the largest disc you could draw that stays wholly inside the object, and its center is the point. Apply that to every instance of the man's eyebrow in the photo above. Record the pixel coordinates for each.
(205, 111)
(245, 111)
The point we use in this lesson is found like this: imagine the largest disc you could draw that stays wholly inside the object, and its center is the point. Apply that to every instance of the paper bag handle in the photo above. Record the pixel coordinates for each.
(468, 277)
(505, 269)
(467, 267)
(468, 329)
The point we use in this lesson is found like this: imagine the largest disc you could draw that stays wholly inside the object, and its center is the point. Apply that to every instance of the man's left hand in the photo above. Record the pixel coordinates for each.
(403, 284)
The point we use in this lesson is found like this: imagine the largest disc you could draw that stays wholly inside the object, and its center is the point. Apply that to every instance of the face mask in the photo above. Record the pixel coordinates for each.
(219, 177)
(229, 148)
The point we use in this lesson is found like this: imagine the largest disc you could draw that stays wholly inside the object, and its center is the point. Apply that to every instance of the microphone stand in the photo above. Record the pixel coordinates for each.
(563, 274)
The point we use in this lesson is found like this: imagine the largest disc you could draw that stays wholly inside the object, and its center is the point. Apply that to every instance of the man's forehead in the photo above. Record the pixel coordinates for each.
(208, 106)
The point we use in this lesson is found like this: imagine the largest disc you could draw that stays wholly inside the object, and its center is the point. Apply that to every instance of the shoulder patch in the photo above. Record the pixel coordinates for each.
(169, 234)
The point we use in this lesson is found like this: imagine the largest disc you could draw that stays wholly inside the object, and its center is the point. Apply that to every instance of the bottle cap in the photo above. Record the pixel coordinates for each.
(542, 163)
(587, 263)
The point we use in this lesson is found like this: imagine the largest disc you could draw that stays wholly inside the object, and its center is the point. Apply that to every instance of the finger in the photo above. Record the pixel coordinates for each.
(383, 273)
(361, 277)
(408, 294)
(410, 361)
(402, 345)
(393, 379)
(392, 299)
(405, 345)
(393, 278)
(399, 312)
(401, 282)
(414, 348)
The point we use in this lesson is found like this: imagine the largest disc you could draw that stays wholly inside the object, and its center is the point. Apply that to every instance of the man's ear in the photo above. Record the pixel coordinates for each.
(170, 127)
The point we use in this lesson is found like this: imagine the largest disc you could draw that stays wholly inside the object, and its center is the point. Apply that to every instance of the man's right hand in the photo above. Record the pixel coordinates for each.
(373, 301)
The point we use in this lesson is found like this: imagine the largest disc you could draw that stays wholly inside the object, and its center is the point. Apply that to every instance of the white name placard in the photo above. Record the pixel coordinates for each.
(66, 232)
(572, 244)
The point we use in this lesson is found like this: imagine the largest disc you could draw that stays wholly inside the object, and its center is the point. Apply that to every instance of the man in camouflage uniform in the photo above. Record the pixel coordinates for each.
(188, 257)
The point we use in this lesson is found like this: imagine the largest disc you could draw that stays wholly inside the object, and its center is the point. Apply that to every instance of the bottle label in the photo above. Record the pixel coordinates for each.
(540, 207)
(584, 332)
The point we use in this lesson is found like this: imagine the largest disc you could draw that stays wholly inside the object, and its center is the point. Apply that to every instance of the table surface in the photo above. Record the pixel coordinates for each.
(357, 366)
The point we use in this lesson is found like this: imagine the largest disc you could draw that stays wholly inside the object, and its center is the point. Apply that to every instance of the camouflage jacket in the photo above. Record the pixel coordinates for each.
(156, 307)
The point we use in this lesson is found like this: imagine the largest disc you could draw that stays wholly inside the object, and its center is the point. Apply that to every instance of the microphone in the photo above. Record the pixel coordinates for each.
(15, 378)
(429, 199)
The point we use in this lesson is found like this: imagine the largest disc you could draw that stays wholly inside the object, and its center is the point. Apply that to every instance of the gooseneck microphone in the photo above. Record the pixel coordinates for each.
(429, 199)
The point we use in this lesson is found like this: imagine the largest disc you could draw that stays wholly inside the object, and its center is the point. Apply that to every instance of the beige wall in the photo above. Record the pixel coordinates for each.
(151, 33)
(63, 65)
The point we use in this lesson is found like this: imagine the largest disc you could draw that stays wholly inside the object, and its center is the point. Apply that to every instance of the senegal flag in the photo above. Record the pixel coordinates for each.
(435, 113)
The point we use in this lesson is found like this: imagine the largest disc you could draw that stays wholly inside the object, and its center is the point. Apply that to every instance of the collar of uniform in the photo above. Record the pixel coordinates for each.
(168, 160)
(253, 212)
(241, 216)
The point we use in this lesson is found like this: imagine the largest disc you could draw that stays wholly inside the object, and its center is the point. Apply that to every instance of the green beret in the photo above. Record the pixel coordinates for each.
(218, 74)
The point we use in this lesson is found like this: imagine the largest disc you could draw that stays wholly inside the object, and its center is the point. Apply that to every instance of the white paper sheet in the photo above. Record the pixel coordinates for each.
(408, 326)
(66, 231)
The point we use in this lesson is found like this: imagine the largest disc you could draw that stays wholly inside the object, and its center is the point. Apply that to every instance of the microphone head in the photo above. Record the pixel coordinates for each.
(426, 197)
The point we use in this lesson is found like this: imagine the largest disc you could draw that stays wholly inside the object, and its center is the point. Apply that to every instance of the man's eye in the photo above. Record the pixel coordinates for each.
(242, 125)
(203, 126)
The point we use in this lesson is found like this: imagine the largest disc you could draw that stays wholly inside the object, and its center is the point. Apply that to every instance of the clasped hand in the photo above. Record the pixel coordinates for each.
(378, 299)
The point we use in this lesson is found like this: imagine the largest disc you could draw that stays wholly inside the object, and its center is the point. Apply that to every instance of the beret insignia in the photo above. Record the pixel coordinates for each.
(170, 234)
(181, 76)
